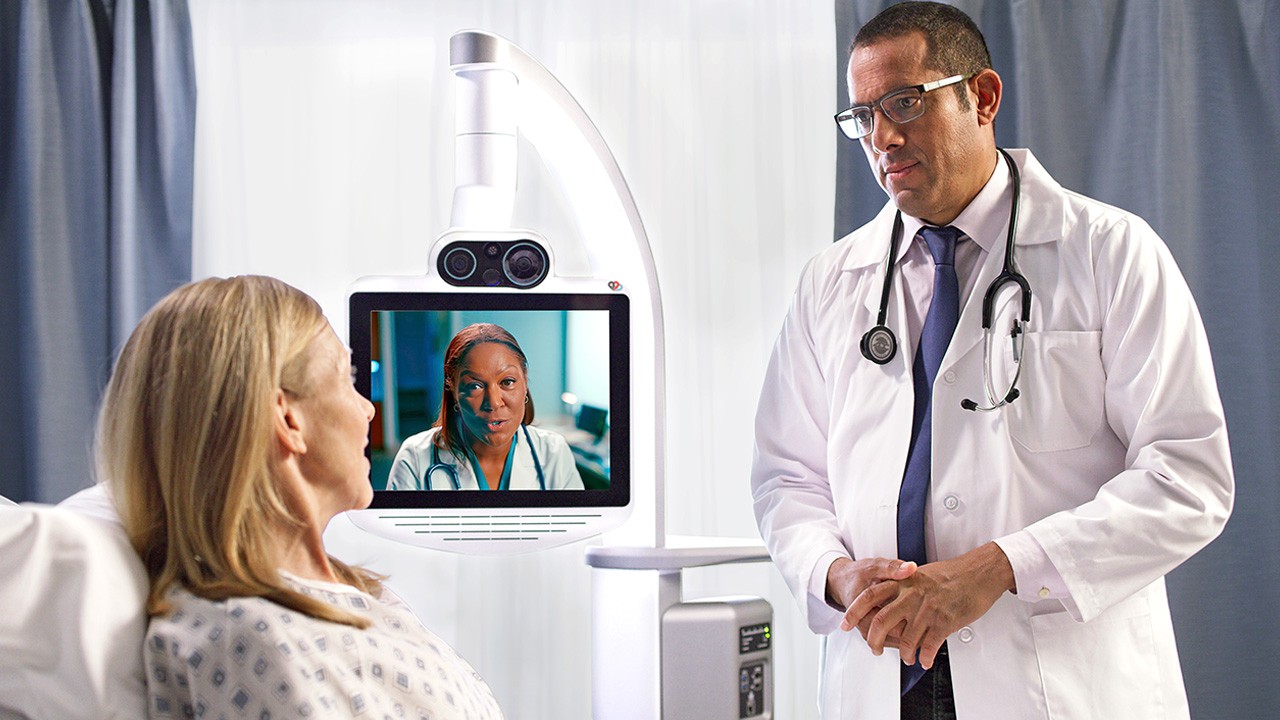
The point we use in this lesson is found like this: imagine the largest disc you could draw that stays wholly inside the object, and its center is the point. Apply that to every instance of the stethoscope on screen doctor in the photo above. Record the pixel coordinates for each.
(879, 344)
(451, 472)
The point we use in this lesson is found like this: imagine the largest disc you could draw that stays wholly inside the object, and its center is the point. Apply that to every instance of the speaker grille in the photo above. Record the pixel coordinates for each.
(521, 527)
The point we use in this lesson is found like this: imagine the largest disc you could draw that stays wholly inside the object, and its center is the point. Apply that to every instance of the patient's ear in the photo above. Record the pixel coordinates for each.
(288, 422)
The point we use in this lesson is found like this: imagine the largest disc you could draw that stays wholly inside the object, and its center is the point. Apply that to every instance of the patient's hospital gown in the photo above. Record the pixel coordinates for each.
(252, 658)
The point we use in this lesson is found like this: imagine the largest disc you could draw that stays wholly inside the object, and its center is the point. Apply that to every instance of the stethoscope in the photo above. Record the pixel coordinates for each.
(452, 472)
(879, 344)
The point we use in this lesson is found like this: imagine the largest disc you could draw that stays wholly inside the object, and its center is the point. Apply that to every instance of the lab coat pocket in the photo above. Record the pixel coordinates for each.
(1104, 668)
(1061, 404)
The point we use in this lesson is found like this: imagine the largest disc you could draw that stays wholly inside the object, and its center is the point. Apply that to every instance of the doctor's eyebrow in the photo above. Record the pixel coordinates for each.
(502, 370)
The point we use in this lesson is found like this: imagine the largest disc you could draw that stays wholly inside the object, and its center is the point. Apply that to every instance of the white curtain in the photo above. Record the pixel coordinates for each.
(325, 152)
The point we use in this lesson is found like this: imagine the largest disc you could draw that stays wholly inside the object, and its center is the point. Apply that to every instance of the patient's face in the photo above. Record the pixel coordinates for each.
(492, 388)
(336, 427)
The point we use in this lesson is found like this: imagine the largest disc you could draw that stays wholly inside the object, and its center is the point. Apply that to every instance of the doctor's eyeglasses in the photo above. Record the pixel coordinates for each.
(901, 106)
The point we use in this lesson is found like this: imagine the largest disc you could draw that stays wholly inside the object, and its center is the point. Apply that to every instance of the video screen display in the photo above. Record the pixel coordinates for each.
(494, 399)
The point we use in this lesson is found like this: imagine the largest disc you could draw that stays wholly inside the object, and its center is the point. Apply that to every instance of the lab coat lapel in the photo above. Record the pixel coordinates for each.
(868, 254)
(524, 475)
(968, 332)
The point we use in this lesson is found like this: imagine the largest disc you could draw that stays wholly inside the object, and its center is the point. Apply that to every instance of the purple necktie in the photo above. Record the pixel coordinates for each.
(939, 325)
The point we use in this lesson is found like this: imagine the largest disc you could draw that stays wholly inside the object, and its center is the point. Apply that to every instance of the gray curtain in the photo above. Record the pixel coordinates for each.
(1170, 109)
(97, 137)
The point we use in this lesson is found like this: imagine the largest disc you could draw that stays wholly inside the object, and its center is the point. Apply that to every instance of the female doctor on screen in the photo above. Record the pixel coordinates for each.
(483, 439)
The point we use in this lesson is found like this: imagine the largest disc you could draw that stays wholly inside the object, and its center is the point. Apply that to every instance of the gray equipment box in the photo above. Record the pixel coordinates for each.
(717, 660)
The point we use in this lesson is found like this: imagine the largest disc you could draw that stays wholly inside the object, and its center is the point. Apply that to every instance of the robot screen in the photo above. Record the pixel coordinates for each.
(525, 393)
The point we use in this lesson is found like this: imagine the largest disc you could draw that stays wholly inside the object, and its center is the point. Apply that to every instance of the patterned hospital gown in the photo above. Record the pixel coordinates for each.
(251, 658)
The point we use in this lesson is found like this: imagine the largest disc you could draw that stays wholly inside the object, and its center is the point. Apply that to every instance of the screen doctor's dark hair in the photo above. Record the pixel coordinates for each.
(955, 45)
(450, 438)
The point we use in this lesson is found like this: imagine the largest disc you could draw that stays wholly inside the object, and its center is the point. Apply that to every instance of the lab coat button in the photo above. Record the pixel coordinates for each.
(966, 634)
(951, 502)
(1044, 592)
(949, 377)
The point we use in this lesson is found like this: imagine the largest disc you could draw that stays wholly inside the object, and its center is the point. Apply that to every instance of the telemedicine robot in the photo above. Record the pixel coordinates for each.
(655, 656)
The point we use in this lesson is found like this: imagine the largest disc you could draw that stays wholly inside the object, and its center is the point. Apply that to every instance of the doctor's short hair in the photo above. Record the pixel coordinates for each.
(955, 44)
(449, 421)
(186, 440)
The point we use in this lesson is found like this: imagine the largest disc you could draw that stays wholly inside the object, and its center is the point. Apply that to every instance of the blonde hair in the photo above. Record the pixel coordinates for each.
(186, 439)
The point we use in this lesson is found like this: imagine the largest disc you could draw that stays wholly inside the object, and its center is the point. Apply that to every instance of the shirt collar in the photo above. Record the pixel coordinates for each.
(982, 220)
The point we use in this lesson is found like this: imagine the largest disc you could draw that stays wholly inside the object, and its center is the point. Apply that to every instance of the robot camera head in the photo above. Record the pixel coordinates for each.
(520, 264)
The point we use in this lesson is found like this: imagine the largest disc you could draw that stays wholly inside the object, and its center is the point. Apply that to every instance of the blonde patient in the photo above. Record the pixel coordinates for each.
(230, 435)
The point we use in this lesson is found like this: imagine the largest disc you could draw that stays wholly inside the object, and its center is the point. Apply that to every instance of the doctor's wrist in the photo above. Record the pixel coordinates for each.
(835, 580)
(998, 567)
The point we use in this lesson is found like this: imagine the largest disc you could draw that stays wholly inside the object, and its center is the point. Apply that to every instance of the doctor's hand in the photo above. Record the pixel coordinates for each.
(847, 579)
(920, 611)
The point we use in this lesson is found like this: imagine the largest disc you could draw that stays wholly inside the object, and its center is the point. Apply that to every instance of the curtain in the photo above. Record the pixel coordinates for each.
(96, 150)
(325, 152)
(1171, 110)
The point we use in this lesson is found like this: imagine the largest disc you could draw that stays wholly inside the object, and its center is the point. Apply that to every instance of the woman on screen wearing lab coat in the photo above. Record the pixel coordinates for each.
(483, 439)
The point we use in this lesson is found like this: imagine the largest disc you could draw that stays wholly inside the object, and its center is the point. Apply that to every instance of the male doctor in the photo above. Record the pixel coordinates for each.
(985, 564)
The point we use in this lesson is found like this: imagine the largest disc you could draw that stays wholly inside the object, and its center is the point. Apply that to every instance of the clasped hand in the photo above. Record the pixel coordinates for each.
(914, 608)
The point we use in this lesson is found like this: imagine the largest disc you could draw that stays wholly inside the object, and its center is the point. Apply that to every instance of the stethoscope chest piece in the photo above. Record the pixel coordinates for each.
(879, 345)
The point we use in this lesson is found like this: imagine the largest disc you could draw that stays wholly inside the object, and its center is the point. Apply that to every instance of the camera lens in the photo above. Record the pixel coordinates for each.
(459, 263)
(525, 264)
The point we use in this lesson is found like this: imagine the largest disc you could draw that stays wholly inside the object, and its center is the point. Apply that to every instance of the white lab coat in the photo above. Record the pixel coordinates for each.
(559, 470)
(1115, 458)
